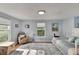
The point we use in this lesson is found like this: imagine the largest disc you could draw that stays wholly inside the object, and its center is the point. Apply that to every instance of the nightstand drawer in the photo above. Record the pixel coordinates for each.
(3, 51)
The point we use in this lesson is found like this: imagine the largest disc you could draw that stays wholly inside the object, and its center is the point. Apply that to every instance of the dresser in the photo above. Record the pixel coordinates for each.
(6, 48)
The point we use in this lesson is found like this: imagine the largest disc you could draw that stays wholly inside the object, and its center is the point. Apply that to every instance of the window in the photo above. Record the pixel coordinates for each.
(4, 32)
(40, 29)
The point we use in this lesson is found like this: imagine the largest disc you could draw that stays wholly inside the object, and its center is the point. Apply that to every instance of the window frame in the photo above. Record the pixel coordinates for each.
(9, 33)
(44, 28)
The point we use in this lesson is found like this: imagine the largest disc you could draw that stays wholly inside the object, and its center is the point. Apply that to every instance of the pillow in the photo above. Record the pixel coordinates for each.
(22, 36)
(77, 40)
(72, 39)
(22, 39)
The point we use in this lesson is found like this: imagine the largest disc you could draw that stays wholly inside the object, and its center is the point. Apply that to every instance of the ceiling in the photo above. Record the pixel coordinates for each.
(28, 11)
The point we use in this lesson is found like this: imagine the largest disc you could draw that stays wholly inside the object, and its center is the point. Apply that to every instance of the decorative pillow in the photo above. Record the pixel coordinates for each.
(23, 39)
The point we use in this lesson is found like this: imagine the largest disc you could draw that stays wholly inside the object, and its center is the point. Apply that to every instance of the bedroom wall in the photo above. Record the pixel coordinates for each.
(29, 31)
(65, 29)
(67, 26)
(15, 30)
(32, 30)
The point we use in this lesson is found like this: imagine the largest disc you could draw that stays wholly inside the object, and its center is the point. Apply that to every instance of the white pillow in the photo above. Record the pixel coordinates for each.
(21, 36)
(71, 39)
(77, 40)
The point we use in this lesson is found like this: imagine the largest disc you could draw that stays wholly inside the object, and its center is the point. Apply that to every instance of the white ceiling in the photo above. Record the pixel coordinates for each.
(28, 11)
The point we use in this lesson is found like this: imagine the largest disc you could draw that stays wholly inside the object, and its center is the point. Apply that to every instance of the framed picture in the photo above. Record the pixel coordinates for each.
(76, 22)
(55, 27)
(27, 26)
(16, 25)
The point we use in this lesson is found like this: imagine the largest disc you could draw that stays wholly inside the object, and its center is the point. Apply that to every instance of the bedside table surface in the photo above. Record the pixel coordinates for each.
(6, 43)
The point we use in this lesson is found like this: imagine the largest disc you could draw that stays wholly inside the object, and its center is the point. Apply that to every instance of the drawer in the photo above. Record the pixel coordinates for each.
(3, 51)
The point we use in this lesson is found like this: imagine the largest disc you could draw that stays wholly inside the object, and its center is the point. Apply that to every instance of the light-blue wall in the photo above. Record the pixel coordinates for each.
(32, 30)
(65, 27)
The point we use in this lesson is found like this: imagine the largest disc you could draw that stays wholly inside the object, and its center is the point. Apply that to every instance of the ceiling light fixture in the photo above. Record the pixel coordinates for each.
(41, 12)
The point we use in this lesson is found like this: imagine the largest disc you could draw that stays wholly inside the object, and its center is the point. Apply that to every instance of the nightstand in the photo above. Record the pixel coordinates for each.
(6, 47)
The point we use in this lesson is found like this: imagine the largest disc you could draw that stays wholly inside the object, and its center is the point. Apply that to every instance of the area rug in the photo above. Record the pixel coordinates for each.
(49, 48)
